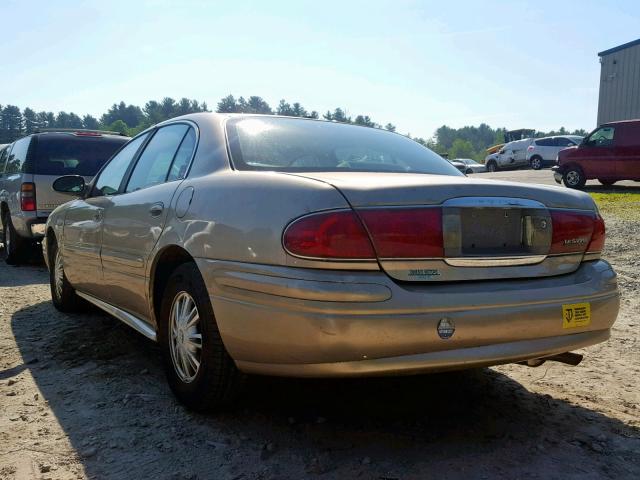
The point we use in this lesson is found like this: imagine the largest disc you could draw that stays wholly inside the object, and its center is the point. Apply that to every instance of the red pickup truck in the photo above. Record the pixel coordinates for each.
(610, 153)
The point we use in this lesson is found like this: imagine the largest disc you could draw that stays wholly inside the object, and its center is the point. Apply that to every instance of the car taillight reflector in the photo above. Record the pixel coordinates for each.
(28, 197)
(599, 233)
(329, 235)
(573, 231)
(405, 232)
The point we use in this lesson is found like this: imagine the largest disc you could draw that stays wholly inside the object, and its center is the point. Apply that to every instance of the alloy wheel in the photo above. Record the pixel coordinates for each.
(185, 337)
(573, 178)
(58, 274)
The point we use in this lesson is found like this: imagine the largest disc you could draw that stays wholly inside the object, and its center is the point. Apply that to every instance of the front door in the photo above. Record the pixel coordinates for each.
(82, 234)
(136, 218)
(597, 156)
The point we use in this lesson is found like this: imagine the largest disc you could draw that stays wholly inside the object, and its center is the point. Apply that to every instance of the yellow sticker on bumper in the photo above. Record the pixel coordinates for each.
(576, 315)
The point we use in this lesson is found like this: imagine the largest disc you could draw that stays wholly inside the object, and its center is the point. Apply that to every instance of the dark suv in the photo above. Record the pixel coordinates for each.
(27, 171)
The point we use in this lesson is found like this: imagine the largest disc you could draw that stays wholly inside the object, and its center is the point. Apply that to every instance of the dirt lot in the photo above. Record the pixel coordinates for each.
(82, 396)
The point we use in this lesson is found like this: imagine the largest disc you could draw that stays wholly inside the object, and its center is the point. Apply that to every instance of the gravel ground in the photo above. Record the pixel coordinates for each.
(83, 396)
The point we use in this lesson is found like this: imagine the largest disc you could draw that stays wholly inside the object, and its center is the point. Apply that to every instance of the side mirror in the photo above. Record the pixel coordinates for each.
(70, 184)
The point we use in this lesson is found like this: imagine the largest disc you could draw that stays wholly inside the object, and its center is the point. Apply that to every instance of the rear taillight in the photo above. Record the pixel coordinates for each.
(405, 232)
(329, 235)
(573, 232)
(28, 197)
(530, 148)
(599, 233)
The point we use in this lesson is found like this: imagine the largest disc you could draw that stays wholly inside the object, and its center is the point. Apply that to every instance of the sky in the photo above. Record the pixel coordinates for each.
(416, 64)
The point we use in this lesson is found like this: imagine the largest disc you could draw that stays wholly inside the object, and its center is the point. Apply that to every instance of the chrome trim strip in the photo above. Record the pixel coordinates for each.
(298, 288)
(589, 256)
(502, 202)
(134, 322)
(494, 261)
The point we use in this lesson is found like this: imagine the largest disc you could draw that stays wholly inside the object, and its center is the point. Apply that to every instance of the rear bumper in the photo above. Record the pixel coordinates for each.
(299, 322)
(28, 225)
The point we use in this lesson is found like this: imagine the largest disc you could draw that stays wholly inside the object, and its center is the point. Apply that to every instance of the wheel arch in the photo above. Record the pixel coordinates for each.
(165, 262)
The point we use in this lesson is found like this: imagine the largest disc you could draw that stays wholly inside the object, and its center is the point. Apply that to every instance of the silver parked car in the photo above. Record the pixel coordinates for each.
(297, 247)
(471, 166)
(28, 168)
(544, 151)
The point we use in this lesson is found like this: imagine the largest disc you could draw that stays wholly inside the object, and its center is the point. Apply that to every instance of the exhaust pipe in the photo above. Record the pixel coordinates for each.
(568, 358)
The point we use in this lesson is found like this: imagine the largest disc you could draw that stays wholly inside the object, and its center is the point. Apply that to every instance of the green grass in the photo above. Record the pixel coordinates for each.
(623, 205)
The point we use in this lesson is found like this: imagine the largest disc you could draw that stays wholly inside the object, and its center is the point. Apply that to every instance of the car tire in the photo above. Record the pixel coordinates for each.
(573, 177)
(14, 245)
(536, 163)
(200, 371)
(607, 183)
(468, 172)
(63, 295)
(492, 167)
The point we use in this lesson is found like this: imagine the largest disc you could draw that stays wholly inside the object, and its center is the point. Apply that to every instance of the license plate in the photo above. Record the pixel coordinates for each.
(576, 315)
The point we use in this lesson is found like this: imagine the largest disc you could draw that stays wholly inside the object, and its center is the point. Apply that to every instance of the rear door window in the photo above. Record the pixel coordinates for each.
(563, 142)
(156, 159)
(18, 156)
(74, 155)
(545, 142)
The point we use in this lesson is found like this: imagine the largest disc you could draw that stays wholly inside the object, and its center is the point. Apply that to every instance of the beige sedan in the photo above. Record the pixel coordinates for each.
(296, 247)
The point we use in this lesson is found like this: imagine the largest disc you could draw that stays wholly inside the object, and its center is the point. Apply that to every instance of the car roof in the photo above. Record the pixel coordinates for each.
(635, 120)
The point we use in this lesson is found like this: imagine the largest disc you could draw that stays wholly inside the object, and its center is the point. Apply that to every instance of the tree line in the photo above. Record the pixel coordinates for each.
(465, 142)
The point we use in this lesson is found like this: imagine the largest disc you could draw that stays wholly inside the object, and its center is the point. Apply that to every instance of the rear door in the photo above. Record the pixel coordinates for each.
(83, 223)
(135, 219)
(57, 154)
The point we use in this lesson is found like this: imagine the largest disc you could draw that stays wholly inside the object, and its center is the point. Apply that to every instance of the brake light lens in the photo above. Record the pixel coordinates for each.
(530, 148)
(28, 197)
(573, 232)
(330, 235)
(599, 233)
(405, 232)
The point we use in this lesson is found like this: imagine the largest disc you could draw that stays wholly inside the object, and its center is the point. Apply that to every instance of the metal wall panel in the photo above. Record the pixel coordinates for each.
(619, 97)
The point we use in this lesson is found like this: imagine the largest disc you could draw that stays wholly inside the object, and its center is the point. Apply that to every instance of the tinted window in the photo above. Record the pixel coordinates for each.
(545, 142)
(289, 144)
(18, 155)
(154, 162)
(4, 153)
(183, 156)
(73, 155)
(563, 142)
(602, 137)
(111, 177)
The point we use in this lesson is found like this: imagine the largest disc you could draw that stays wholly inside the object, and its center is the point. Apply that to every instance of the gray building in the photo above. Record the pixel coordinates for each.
(619, 83)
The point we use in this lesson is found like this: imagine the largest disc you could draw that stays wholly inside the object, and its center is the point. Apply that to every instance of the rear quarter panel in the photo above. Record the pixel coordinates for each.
(240, 216)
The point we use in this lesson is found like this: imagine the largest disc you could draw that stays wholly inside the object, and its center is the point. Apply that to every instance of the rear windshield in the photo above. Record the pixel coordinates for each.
(74, 155)
(298, 145)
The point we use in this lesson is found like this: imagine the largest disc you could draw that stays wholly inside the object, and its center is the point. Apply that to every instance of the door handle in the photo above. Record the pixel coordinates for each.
(156, 209)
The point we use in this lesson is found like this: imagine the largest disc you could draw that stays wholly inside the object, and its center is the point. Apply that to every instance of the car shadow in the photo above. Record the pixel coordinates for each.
(105, 386)
(27, 273)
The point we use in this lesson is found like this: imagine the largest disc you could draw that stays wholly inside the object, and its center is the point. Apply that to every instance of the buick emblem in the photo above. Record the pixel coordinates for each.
(446, 328)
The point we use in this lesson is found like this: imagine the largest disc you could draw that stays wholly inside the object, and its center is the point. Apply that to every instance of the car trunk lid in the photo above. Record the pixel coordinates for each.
(489, 229)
